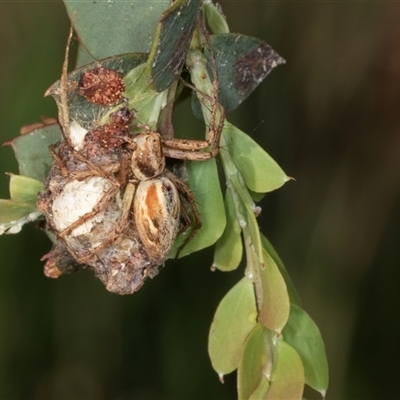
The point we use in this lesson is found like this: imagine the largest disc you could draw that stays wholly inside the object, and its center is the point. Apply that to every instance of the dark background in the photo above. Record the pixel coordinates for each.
(330, 117)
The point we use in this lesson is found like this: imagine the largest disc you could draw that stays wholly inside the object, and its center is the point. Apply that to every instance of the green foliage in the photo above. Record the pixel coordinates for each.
(171, 43)
(259, 328)
(234, 319)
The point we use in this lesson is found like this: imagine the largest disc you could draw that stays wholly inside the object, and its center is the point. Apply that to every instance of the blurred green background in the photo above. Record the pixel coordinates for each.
(330, 117)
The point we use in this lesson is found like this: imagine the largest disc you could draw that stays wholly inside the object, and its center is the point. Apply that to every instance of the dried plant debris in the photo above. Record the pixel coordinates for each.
(109, 199)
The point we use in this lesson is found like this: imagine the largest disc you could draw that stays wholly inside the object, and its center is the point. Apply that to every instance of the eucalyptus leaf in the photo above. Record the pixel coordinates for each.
(275, 305)
(228, 249)
(252, 363)
(260, 172)
(233, 321)
(32, 151)
(242, 62)
(171, 42)
(114, 27)
(287, 380)
(24, 189)
(302, 334)
(204, 183)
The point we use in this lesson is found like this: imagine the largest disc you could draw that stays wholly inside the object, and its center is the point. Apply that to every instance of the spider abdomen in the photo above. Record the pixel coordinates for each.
(156, 213)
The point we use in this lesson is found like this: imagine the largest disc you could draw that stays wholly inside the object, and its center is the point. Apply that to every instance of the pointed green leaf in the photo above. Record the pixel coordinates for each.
(253, 361)
(204, 183)
(275, 305)
(233, 321)
(171, 43)
(107, 28)
(260, 172)
(243, 62)
(294, 296)
(229, 249)
(24, 189)
(302, 333)
(32, 151)
(287, 379)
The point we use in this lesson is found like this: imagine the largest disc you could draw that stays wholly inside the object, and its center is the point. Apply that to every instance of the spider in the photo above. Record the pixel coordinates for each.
(110, 199)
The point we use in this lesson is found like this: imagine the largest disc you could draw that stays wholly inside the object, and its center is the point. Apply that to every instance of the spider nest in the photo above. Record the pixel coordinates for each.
(109, 199)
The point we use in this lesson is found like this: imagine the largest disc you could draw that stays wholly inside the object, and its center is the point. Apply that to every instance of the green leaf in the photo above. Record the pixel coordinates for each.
(260, 172)
(233, 321)
(171, 43)
(302, 333)
(294, 296)
(287, 379)
(11, 210)
(24, 189)
(204, 183)
(32, 151)
(254, 360)
(146, 102)
(275, 305)
(83, 57)
(228, 249)
(215, 18)
(262, 389)
(107, 28)
(243, 62)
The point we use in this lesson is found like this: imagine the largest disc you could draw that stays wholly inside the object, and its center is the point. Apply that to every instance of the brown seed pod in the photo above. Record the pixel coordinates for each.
(102, 86)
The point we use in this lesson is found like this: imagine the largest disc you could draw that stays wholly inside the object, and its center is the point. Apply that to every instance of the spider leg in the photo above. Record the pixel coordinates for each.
(191, 149)
(58, 160)
(189, 196)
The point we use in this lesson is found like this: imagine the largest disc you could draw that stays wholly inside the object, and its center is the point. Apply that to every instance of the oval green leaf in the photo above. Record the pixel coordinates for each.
(252, 363)
(293, 295)
(171, 43)
(287, 379)
(275, 304)
(233, 321)
(204, 183)
(260, 172)
(229, 249)
(107, 28)
(11, 210)
(24, 189)
(262, 389)
(302, 333)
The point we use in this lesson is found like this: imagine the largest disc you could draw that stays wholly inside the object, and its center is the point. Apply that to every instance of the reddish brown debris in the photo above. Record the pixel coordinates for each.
(102, 86)
(111, 135)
